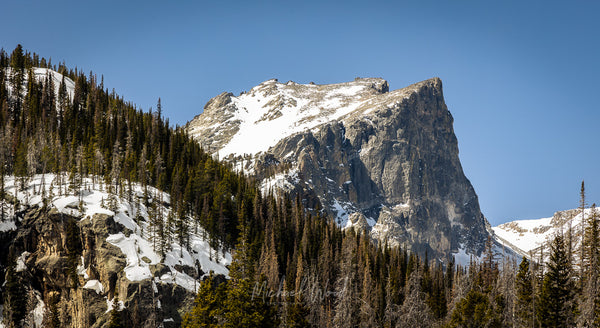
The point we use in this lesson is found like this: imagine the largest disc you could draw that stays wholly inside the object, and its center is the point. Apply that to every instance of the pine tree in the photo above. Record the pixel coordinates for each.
(15, 298)
(524, 291)
(115, 173)
(590, 298)
(17, 59)
(346, 286)
(582, 255)
(414, 311)
(235, 305)
(557, 305)
(476, 310)
(17, 63)
(208, 305)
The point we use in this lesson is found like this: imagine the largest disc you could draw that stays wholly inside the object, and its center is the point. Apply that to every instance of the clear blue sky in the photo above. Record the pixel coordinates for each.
(520, 77)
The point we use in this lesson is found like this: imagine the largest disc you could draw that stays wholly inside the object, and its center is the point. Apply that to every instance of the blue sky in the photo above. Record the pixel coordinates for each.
(520, 77)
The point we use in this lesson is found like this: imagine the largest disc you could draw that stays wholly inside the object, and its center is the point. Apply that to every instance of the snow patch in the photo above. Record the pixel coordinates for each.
(41, 74)
(135, 248)
(94, 285)
(7, 225)
(81, 270)
(371, 222)
(526, 234)
(343, 211)
(283, 181)
(38, 311)
(462, 257)
(110, 305)
(21, 266)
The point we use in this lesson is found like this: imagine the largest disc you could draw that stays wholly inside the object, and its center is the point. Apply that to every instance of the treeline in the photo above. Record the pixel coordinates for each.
(291, 268)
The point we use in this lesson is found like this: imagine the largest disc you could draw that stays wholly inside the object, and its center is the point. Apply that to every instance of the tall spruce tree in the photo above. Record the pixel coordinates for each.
(557, 304)
(15, 297)
(208, 305)
(590, 294)
(524, 289)
(582, 255)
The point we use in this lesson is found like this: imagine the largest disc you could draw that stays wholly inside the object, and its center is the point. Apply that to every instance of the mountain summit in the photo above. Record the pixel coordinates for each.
(379, 160)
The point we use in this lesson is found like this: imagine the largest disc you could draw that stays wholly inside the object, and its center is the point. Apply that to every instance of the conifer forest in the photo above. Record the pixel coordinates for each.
(292, 266)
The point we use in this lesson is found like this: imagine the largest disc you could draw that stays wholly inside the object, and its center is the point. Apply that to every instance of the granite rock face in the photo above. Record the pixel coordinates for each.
(386, 162)
(51, 247)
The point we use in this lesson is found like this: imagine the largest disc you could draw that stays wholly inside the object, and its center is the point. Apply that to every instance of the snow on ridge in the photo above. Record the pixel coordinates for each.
(93, 198)
(40, 75)
(529, 235)
(272, 111)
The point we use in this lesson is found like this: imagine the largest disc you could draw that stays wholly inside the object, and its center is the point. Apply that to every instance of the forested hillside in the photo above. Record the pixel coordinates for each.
(290, 268)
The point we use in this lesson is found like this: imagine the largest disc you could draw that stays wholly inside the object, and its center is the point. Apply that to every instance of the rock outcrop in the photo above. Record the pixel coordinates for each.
(68, 256)
(52, 248)
(387, 161)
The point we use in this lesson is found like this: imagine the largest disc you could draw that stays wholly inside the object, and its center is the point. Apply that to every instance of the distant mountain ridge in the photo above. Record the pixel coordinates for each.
(386, 161)
(532, 238)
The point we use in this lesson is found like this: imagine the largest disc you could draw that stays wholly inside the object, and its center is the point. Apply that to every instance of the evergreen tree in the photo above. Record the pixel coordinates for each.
(557, 306)
(476, 310)
(590, 296)
(208, 305)
(414, 311)
(17, 59)
(15, 298)
(582, 255)
(524, 291)
(17, 63)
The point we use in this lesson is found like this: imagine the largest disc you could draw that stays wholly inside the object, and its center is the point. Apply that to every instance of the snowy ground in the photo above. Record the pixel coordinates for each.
(93, 197)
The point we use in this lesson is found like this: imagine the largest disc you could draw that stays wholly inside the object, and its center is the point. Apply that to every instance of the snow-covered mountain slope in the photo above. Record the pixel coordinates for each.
(137, 238)
(530, 237)
(120, 254)
(42, 75)
(385, 161)
(257, 120)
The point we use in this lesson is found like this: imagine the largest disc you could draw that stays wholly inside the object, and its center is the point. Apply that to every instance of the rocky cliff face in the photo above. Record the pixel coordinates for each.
(385, 161)
(48, 272)
(73, 258)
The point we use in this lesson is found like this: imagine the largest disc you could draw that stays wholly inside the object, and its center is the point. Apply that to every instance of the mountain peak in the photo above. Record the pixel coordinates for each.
(255, 120)
(384, 161)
